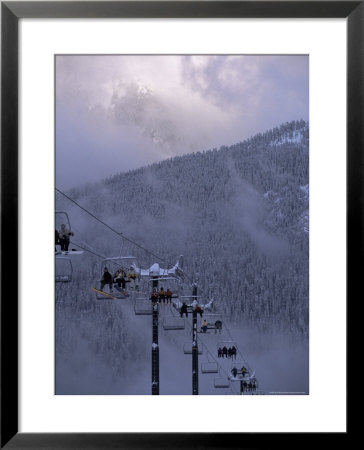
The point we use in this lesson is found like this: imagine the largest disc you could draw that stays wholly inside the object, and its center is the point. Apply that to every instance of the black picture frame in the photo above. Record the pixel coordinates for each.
(11, 12)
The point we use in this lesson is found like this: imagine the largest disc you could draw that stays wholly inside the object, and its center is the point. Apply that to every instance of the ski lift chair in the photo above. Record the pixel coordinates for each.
(220, 383)
(167, 282)
(143, 307)
(114, 264)
(229, 345)
(214, 322)
(209, 367)
(64, 269)
(237, 374)
(173, 323)
(61, 217)
(252, 389)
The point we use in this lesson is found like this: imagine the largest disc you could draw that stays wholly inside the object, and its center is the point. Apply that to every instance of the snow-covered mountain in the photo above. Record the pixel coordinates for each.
(238, 214)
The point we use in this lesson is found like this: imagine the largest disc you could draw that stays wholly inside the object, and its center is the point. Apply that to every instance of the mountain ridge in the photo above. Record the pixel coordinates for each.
(239, 214)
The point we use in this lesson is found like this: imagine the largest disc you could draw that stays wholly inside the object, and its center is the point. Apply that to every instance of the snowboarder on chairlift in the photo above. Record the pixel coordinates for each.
(224, 351)
(233, 352)
(184, 310)
(234, 371)
(106, 279)
(219, 352)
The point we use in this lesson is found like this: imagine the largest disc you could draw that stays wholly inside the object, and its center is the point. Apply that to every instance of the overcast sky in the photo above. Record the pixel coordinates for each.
(116, 113)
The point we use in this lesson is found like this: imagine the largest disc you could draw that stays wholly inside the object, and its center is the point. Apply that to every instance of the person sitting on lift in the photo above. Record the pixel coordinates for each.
(154, 296)
(169, 294)
(218, 326)
(162, 296)
(204, 326)
(64, 237)
(234, 371)
(219, 352)
(198, 309)
(184, 310)
(106, 279)
(119, 278)
(244, 370)
(132, 275)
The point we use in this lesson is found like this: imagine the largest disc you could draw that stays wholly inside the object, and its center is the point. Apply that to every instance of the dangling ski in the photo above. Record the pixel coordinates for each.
(104, 293)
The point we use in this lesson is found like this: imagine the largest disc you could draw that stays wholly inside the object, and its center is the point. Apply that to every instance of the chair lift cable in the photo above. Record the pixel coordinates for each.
(87, 250)
(120, 234)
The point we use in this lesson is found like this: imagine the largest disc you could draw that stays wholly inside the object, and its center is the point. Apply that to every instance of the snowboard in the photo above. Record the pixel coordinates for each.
(106, 294)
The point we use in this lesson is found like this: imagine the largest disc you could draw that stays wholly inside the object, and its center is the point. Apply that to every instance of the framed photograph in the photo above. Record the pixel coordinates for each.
(190, 157)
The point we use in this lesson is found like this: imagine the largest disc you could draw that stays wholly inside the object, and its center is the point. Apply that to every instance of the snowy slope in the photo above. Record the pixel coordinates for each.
(239, 215)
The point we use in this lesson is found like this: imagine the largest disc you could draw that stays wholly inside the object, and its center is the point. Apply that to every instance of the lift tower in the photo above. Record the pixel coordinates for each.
(194, 345)
(155, 346)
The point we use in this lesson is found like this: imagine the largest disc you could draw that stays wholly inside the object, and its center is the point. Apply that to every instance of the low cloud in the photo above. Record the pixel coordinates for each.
(121, 112)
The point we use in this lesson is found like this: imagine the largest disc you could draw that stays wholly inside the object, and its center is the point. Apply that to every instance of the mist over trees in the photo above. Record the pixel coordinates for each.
(238, 214)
